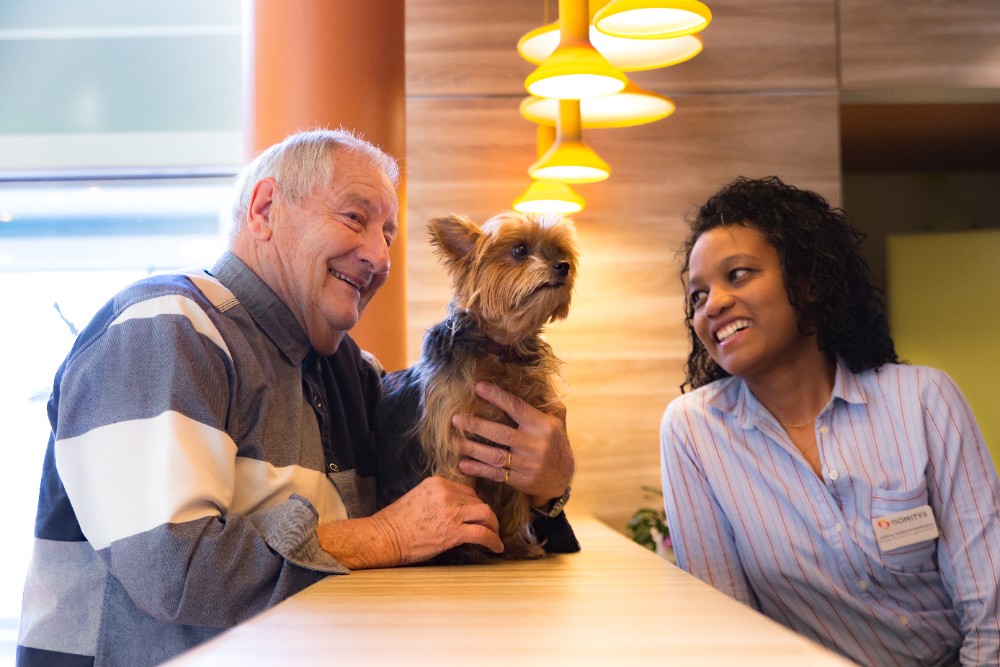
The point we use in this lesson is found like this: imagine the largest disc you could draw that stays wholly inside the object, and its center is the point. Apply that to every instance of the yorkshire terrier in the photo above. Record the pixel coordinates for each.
(509, 278)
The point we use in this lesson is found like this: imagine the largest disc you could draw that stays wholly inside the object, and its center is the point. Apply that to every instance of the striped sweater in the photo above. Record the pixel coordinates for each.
(197, 441)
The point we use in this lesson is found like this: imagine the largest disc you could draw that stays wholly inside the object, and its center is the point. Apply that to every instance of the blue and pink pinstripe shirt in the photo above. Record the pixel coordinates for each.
(748, 515)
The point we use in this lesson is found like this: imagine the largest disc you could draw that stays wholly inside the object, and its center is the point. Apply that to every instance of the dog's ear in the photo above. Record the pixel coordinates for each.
(454, 236)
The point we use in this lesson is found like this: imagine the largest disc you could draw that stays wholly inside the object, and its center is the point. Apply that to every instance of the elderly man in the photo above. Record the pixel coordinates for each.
(211, 447)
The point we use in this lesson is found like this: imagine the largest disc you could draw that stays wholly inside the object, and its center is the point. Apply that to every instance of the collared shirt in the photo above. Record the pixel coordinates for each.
(747, 514)
(197, 441)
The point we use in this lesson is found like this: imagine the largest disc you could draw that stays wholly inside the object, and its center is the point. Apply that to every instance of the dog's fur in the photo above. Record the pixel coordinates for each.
(509, 278)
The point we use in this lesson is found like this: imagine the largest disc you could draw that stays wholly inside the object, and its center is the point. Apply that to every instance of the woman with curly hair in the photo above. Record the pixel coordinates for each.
(806, 471)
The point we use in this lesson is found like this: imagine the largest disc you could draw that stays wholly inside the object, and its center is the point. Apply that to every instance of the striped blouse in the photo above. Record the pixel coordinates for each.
(747, 515)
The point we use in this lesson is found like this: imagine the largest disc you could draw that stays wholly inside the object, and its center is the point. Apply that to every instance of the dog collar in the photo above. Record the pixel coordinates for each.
(501, 352)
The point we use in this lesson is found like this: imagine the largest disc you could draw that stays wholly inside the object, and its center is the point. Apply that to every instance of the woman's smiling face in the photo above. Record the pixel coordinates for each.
(741, 311)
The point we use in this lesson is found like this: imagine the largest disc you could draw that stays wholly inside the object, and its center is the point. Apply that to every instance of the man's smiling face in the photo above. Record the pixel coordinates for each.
(332, 248)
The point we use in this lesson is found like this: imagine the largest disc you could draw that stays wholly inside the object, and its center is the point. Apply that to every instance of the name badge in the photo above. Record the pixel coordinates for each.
(902, 529)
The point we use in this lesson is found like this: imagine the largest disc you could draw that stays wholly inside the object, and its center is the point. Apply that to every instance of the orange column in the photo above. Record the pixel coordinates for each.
(335, 63)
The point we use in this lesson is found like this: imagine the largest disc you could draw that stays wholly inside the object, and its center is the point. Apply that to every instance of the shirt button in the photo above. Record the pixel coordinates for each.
(824, 429)
(334, 467)
(838, 527)
(834, 475)
(863, 585)
(903, 620)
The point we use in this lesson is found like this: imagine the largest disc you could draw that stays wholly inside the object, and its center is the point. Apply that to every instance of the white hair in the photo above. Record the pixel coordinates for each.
(301, 162)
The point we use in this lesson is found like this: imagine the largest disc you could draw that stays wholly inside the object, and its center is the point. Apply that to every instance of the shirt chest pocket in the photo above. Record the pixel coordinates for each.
(913, 558)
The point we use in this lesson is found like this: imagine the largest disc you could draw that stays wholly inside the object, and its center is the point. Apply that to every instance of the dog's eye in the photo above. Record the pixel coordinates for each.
(519, 250)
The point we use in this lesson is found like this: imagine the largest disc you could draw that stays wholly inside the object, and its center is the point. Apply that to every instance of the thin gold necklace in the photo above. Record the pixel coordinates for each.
(806, 423)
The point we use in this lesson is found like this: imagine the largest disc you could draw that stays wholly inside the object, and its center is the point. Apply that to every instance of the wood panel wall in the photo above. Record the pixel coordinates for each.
(761, 99)
(934, 50)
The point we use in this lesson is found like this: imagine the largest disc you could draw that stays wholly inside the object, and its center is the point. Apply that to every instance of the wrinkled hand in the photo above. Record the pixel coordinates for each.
(436, 515)
(535, 457)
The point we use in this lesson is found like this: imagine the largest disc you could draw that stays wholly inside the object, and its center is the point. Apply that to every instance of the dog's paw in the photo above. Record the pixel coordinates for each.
(522, 550)
(463, 554)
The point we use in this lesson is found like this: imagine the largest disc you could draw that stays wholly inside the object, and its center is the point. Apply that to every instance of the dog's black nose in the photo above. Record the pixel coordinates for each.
(562, 268)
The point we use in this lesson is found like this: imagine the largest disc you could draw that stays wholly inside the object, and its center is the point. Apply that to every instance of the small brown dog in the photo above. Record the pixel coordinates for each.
(509, 278)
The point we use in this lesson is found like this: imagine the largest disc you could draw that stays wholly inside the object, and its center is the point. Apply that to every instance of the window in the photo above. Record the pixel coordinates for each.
(119, 139)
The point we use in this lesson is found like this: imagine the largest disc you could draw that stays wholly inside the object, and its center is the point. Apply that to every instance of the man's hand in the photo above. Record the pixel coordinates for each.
(434, 516)
(535, 457)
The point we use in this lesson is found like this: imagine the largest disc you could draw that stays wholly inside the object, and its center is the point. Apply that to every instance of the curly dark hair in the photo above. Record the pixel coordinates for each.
(826, 277)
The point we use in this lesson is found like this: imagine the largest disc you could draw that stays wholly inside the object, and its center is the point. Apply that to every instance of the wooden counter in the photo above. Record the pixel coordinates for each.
(614, 603)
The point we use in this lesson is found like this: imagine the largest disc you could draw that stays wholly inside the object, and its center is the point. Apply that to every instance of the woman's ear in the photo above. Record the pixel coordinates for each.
(259, 214)
(807, 300)
(807, 296)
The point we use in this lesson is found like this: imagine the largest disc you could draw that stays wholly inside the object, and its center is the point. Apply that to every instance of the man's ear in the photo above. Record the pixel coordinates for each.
(261, 207)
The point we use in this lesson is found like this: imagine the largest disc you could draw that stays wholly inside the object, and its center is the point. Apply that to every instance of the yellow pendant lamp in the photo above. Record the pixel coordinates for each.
(548, 196)
(627, 54)
(575, 69)
(569, 159)
(632, 106)
(652, 19)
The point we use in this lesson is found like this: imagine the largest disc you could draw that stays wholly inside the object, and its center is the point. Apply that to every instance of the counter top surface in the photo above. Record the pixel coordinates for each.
(613, 603)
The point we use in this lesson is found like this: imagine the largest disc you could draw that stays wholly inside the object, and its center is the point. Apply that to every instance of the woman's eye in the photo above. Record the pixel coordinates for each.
(696, 297)
(519, 250)
(738, 273)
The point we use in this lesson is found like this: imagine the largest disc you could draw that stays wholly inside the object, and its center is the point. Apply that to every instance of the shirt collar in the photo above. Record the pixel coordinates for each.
(267, 310)
(847, 387)
(732, 396)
